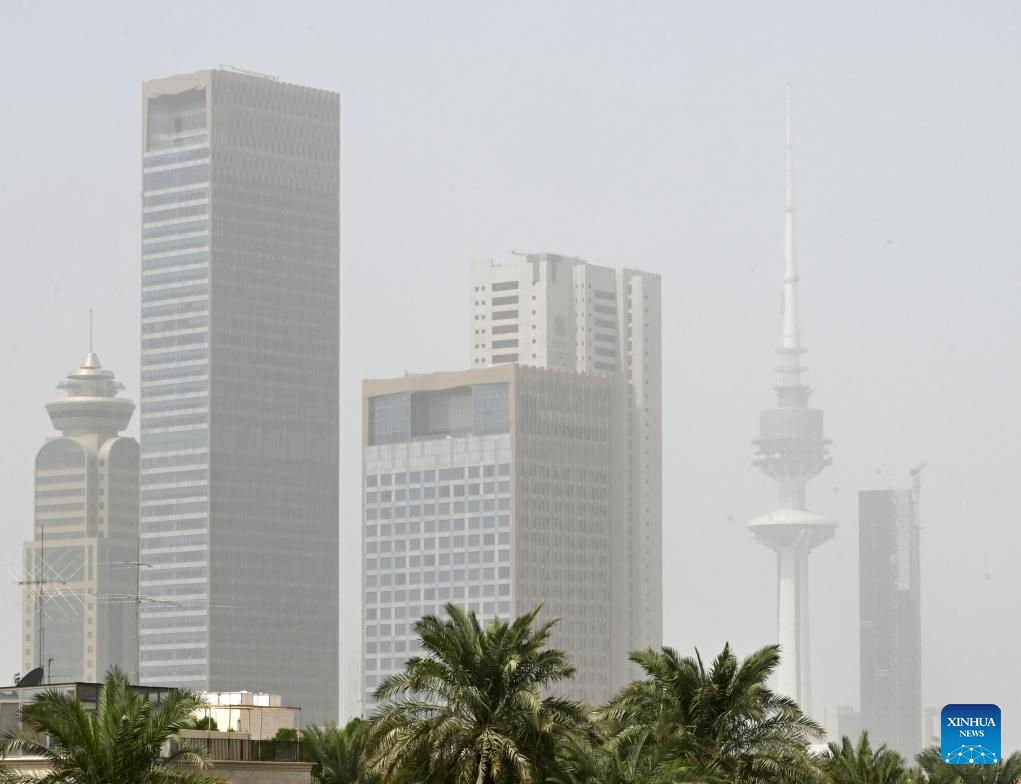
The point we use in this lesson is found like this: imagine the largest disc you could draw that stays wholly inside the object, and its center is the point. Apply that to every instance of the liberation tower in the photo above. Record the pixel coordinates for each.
(791, 450)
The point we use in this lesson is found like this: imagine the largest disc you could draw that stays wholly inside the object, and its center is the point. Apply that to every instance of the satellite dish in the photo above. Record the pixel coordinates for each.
(33, 678)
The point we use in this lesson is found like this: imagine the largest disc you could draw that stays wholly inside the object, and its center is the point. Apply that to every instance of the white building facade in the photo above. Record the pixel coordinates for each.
(563, 313)
(81, 568)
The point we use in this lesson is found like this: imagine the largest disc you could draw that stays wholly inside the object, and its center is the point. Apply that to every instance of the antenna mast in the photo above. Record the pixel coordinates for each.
(791, 332)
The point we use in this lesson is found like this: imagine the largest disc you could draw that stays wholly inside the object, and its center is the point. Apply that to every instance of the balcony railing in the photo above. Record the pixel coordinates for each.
(225, 749)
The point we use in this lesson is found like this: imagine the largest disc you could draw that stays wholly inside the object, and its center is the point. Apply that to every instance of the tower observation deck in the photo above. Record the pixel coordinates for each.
(91, 405)
(791, 450)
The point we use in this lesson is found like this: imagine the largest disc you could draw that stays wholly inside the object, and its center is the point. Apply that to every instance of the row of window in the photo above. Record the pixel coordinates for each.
(154, 542)
(436, 491)
(177, 228)
(171, 261)
(158, 361)
(416, 527)
(195, 458)
(379, 601)
(175, 178)
(165, 295)
(429, 510)
(399, 579)
(443, 474)
(198, 338)
(179, 404)
(194, 490)
(176, 322)
(194, 242)
(185, 274)
(153, 478)
(175, 211)
(458, 543)
(178, 197)
(67, 493)
(165, 158)
(154, 516)
(381, 630)
(164, 421)
(154, 312)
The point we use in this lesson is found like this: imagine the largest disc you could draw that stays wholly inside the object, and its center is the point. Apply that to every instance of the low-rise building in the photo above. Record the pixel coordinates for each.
(257, 714)
(239, 757)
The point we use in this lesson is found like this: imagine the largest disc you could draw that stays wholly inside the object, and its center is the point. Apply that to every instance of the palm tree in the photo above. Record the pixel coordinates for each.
(936, 771)
(120, 743)
(627, 757)
(473, 710)
(337, 753)
(723, 721)
(850, 764)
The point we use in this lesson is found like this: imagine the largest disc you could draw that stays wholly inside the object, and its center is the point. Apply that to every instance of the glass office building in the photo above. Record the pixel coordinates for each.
(497, 489)
(240, 344)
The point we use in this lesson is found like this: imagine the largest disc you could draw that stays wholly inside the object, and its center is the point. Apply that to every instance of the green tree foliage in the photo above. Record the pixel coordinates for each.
(623, 758)
(337, 753)
(118, 744)
(286, 735)
(848, 763)
(936, 771)
(721, 722)
(474, 709)
(207, 723)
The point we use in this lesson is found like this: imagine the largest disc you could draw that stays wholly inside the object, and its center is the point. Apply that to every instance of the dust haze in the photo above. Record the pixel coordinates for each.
(648, 137)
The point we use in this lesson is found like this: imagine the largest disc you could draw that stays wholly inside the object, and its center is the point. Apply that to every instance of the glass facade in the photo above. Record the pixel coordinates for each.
(431, 536)
(479, 409)
(490, 408)
(390, 418)
(175, 391)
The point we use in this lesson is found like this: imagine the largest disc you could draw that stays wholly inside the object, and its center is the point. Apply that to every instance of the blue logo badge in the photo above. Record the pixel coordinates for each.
(970, 734)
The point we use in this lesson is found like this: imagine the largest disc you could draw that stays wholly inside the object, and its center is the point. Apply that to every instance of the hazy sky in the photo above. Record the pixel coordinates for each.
(649, 137)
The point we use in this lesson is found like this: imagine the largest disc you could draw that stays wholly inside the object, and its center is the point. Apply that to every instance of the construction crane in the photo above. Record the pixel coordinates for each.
(916, 486)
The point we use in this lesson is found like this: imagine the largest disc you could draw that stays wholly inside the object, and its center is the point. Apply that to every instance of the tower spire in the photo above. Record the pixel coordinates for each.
(791, 391)
(791, 335)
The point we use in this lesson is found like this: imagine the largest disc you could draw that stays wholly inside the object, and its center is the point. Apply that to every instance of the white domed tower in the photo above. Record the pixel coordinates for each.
(81, 568)
(91, 408)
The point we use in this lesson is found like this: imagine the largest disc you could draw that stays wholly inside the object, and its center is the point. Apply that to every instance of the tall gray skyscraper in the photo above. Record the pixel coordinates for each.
(565, 314)
(791, 450)
(240, 261)
(81, 567)
(889, 608)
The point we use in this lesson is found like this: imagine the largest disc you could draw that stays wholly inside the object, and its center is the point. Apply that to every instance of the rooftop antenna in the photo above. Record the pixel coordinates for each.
(90, 330)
